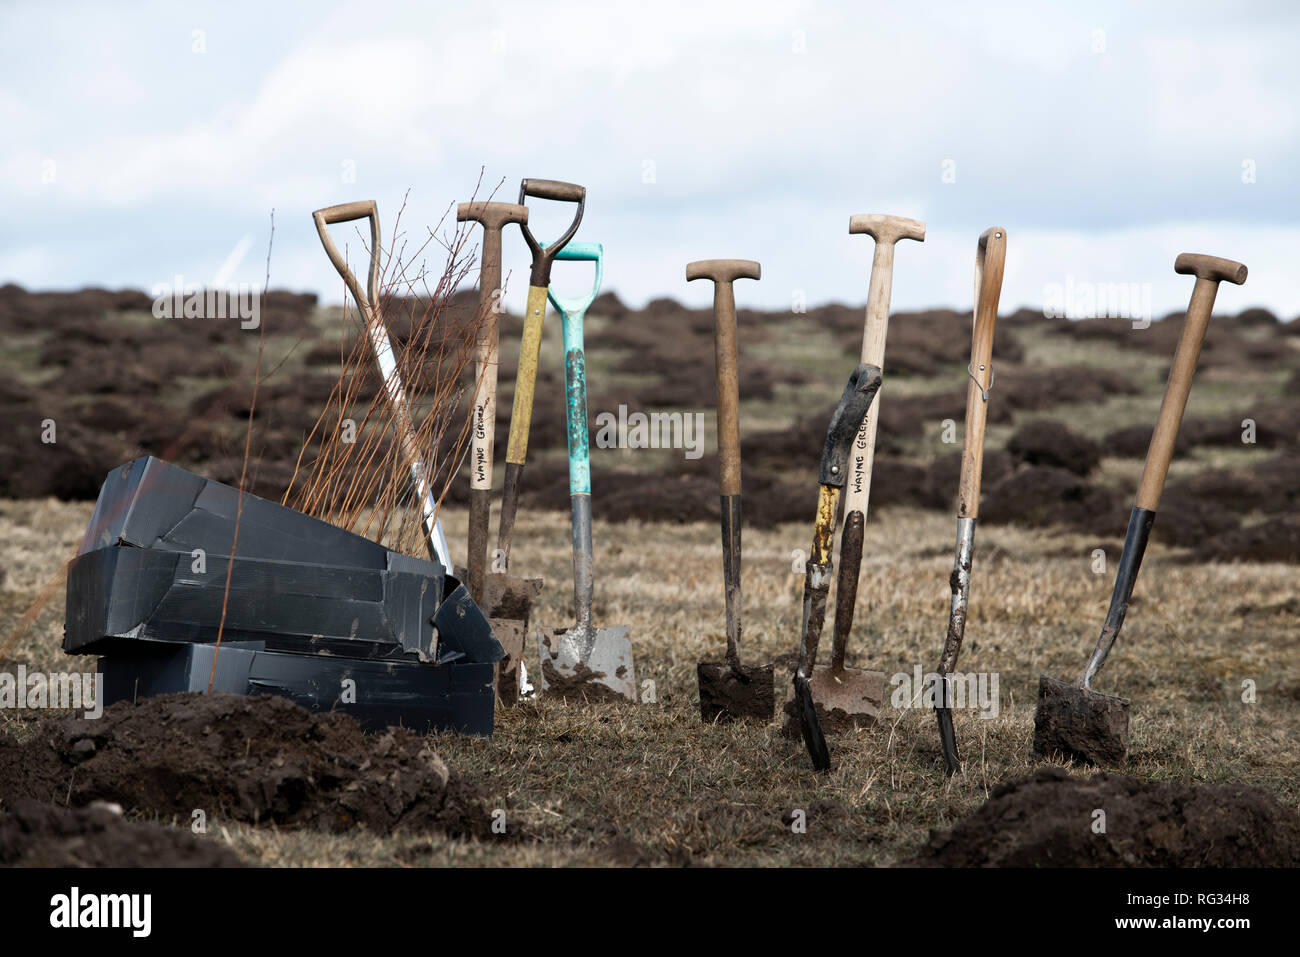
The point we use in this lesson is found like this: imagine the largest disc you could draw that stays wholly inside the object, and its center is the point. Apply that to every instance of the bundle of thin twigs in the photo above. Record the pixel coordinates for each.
(351, 470)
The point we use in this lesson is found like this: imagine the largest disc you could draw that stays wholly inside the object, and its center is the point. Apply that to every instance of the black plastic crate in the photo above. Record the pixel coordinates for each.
(417, 695)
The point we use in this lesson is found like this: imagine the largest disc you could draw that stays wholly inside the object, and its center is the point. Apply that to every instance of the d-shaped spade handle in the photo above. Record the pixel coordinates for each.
(346, 213)
(579, 252)
(552, 189)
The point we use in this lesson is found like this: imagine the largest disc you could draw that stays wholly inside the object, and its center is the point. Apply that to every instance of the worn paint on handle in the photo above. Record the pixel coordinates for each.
(575, 398)
(572, 314)
(521, 413)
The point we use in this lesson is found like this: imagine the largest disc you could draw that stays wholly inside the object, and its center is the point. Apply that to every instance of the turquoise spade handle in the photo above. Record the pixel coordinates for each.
(572, 312)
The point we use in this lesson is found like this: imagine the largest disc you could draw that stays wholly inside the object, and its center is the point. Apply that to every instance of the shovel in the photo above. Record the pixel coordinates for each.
(845, 422)
(494, 217)
(728, 689)
(367, 301)
(849, 697)
(521, 412)
(1072, 719)
(990, 258)
(493, 593)
(582, 661)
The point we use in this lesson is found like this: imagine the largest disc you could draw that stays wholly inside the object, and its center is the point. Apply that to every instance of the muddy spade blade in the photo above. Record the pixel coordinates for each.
(730, 690)
(582, 662)
(1080, 724)
(959, 583)
(811, 728)
(1073, 720)
(990, 262)
(847, 698)
(845, 422)
(593, 665)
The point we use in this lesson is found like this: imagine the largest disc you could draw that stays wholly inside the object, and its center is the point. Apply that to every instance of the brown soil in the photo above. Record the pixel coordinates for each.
(1051, 443)
(260, 760)
(1046, 820)
(1131, 442)
(122, 387)
(1268, 486)
(1039, 388)
(1188, 520)
(923, 343)
(42, 835)
(1222, 347)
(1038, 495)
(1275, 540)
(726, 696)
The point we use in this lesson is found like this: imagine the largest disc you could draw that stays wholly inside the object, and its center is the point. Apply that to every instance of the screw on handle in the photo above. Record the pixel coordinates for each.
(1209, 271)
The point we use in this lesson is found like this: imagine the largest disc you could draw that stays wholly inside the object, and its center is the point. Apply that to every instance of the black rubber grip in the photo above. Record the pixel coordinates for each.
(852, 408)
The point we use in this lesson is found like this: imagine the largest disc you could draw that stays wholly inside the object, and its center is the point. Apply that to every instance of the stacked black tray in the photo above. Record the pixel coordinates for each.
(330, 619)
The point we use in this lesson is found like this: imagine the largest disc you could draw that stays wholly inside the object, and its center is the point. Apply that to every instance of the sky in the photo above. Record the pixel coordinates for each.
(144, 141)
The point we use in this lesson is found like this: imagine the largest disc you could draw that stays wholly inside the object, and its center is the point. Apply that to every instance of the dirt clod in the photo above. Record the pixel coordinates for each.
(259, 760)
(43, 835)
(1049, 820)
(726, 697)
(1082, 725)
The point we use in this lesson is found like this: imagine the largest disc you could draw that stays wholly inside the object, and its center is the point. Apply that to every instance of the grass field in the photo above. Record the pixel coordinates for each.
(651, 784)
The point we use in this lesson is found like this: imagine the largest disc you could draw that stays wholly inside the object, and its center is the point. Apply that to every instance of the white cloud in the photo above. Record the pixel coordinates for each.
(1096, 163)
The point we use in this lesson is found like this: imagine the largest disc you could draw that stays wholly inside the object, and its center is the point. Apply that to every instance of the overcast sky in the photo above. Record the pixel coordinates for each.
(146, 140)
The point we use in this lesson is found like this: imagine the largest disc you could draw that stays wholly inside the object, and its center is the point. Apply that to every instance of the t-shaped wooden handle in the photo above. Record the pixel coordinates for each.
(724, 272)
(1210, 267)
(1209, 272)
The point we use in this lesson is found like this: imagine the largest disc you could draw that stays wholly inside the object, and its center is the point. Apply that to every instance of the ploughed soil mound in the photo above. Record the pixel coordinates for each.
(260, 760)
(1047, 820)
(1051, 443)
(42, 835)
(119, 383)
(920, 343)
(1275, 540)
(1037, 496)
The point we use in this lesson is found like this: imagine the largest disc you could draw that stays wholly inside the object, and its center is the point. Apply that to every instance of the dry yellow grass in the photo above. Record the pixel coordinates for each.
(622, 784)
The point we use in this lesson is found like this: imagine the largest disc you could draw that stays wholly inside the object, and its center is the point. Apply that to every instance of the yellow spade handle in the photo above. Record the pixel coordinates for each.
(530, 350)
(828, 499)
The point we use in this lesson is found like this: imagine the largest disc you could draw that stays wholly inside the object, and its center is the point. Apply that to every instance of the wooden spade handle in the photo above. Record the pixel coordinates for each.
(1209, 271)
(886, 231)
(346, 213)
(990, 260)
(724, 272)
